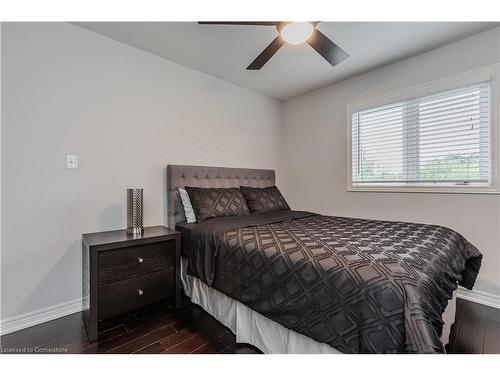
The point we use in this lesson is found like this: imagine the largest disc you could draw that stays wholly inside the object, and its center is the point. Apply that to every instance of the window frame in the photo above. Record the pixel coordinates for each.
(489, 73)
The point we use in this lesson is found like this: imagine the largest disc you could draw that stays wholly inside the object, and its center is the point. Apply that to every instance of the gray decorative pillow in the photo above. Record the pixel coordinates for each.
(215, 202)
(264, 199)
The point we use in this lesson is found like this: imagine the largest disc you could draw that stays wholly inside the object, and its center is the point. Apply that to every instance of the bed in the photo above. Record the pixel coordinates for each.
(299, 282)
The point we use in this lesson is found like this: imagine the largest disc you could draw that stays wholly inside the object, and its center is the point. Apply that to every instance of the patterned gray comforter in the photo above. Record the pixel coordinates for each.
(361, 286)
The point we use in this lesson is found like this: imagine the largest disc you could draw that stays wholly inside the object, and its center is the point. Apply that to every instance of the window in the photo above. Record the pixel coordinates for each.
(439, 140)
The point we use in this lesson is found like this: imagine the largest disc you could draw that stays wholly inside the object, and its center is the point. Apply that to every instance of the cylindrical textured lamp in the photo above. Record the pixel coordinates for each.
(134, 211)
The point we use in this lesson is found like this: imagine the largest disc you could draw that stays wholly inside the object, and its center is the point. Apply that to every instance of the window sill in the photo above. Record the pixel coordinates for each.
(451, 189)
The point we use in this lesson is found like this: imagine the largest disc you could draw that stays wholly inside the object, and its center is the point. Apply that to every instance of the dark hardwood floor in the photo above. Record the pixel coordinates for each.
(476, 329)
(161, 329)
(155, 329)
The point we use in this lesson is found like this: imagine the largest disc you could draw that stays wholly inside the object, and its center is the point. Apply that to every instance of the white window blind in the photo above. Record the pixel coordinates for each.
(441, 138)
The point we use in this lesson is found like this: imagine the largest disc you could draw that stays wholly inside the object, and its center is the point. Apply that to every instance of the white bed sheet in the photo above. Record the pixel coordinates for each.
(253, 328)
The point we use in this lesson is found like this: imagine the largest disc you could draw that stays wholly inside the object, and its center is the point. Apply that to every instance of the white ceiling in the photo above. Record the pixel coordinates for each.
(225, 51)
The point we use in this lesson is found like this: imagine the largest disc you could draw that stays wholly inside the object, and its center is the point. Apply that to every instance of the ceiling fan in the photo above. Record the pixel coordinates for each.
(293, 33)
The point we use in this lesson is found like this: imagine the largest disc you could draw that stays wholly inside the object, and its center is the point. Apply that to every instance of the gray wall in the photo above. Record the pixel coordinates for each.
(126, 114)
(315, 150)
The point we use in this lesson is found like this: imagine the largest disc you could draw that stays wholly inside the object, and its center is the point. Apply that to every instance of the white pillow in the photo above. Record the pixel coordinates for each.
(188, 208)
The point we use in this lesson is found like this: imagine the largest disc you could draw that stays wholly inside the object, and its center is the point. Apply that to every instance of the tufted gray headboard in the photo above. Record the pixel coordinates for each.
(199, 176)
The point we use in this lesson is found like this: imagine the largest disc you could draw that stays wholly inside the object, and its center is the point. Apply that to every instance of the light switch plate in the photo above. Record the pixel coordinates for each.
(71, 161)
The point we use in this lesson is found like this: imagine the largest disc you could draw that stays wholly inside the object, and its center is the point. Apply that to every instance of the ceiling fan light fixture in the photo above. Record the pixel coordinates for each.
(293, 33)
(297, 32)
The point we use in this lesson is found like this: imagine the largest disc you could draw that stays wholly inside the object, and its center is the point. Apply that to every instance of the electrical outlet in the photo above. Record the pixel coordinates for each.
(71, 161)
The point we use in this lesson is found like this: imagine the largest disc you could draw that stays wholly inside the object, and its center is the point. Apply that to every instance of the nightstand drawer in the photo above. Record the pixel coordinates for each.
(129, 262)
(133, 293)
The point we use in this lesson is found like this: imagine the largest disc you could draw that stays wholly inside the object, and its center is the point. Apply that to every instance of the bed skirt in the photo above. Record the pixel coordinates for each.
(251, 327)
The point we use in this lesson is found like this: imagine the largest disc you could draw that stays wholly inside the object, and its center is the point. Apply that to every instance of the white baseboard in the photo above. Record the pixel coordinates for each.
(477, 296)
(19, 322)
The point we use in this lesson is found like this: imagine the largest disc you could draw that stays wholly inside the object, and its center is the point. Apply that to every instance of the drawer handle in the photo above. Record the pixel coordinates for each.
(140, 260)
(140, 292)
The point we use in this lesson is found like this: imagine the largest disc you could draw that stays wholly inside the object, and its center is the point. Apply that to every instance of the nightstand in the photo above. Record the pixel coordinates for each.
(122, 272)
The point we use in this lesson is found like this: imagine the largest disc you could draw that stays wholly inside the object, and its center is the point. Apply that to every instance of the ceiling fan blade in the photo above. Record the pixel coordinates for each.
(326, 48)
(265, 55)
(251, 23)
